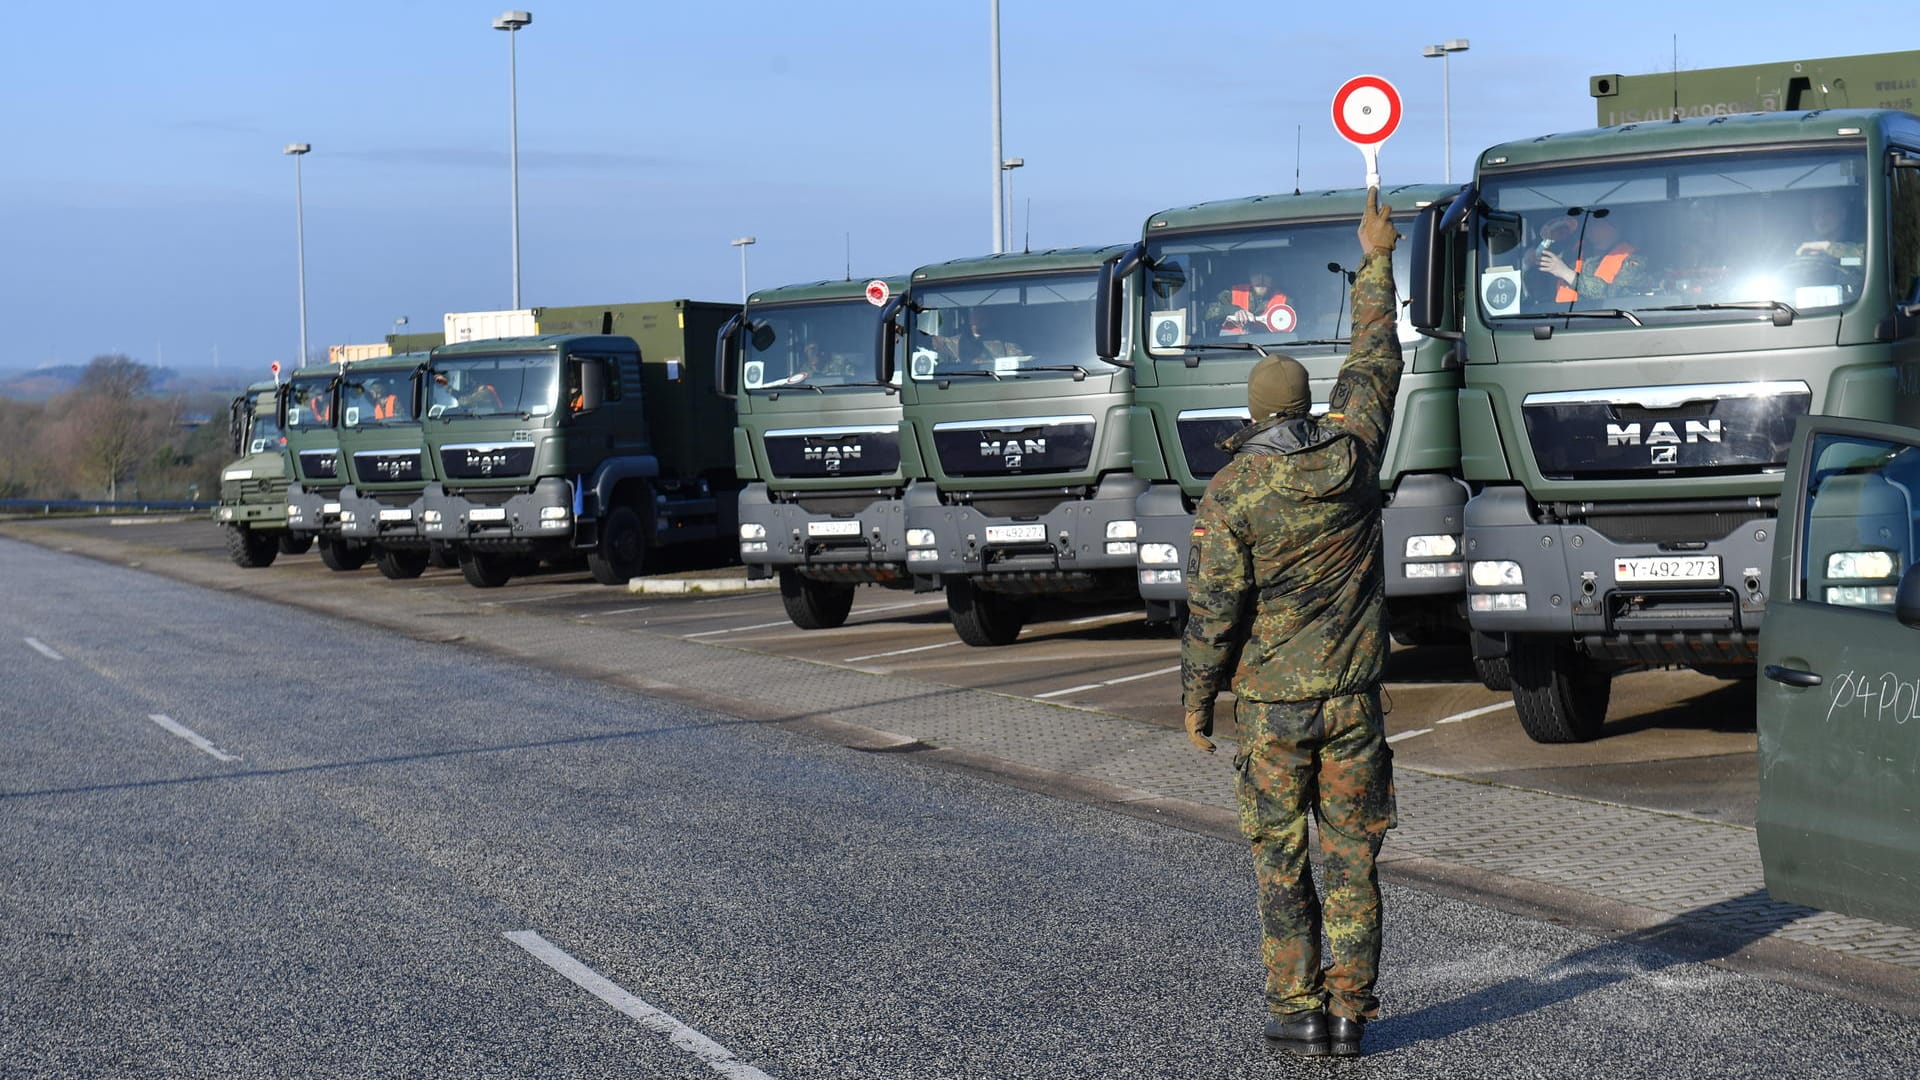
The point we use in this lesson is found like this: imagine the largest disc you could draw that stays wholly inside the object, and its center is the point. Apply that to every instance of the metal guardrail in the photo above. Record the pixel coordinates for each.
(100, 506)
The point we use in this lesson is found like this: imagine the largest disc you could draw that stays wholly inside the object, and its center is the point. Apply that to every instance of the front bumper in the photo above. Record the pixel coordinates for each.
(867, 544)
(540, 517)
(1065, 537)
(388, 517)
(313, 511)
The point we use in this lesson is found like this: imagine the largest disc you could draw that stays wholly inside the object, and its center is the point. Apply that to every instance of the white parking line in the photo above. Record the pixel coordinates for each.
(788, 622)
(1471, 713)
(1109, 682)
(616, 611)
(184, 732)
(712, 1054)
(741, 629)
(41, 648)
(1409, 734)
(525, 599)
(1113, 617)
(899, 652)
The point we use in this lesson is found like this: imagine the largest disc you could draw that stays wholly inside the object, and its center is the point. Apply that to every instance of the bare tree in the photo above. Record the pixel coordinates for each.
(106, 425)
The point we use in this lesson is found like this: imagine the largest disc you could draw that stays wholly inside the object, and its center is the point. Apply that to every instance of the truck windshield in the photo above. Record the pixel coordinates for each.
(263, 432)
(1279, 285)
(376, 398)
(1015, 327)
(310, 402)
(815, 344)
(1702, 232)
(512, 384)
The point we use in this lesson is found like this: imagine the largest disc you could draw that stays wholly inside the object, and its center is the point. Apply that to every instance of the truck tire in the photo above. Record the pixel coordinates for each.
(343, 555)
(1494, 673)
(248, 549)
(621, 553)
(814, 605)
(984, 619)
(484, 570)
(1559, 699)
(295, 545)
(399, 564)
(442, 556)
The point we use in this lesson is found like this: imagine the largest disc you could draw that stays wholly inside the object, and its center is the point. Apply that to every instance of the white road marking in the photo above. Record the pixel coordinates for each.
(616, 611)
(1109, 682)
(191, 736)
(741, 629)
(1471, 713)
(899, 652)
(816, 633)
(525, 599)
(1106, 618)
(1408, 734)
(42, 648)
(712, 1054)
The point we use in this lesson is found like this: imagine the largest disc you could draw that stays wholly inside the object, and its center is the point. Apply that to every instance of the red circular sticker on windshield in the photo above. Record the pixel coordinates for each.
(878, 293)
(1366, 110)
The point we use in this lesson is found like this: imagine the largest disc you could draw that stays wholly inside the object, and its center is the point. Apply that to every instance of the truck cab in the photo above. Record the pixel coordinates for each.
(817, 444)
(309, 415)
(382, 450)
(253, 488)
(1225, 283)
(1649, 309)
(1021, 424)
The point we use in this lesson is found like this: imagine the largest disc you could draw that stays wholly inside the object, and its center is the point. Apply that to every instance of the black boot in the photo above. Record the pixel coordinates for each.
(1343, 1035)
(1303, 1033)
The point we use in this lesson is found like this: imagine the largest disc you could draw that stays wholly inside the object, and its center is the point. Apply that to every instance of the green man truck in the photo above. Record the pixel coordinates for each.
(253, 488)
(1649, 308)
(308, 414)
(383, 459)
(609, 445)
(817, 444)
(1872, 81)
(1226, 283)
(1020, 417)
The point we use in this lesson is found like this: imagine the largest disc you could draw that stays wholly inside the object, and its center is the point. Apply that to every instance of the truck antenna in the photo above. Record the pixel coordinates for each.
(1296, 159)
(1676, 78)
(849, 255)
(1026, 237)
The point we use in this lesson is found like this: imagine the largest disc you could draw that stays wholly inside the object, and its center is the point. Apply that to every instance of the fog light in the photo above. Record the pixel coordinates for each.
(1498, 572)
(1122, 530)
(1160, 577)
(753, 530)
(1500, 601)
(293, 510)
(226, 513)
(1432, 547)
(346, 517)
(1862, 595)
(1159, 554)
(1120, 547)
(923, 555)
(753, 547)
(920, 538)
(553, 513)
(1862, 565)
(431, 517)
(1430, 570)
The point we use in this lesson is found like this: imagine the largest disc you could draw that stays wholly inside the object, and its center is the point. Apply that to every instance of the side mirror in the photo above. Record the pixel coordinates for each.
(593, 384)
(236, 423)
(887, 339)
(723, 357)
(1110, 304)
(1432, 258)
(280, 395)
(1906, 599)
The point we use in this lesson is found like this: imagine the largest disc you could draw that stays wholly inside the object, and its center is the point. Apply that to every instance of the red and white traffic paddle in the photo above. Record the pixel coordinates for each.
(1366, 110)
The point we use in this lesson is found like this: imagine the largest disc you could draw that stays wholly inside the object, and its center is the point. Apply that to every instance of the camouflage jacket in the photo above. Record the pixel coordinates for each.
(1285, 580)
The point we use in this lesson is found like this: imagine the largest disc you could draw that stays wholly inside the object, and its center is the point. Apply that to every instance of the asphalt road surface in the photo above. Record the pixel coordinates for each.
(240, 839)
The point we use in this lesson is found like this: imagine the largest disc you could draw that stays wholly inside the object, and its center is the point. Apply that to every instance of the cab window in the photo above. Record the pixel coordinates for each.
(1860, 527)
(1906, 234)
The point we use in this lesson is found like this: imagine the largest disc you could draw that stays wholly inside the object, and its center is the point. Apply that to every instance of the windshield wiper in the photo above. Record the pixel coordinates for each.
(775, 391)
(1783, 312)
(1190, 353)
(1079, 373)
(970, 372)
(1587, 313)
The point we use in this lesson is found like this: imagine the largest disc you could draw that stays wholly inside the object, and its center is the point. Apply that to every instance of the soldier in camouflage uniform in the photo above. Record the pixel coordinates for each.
(1287, 592)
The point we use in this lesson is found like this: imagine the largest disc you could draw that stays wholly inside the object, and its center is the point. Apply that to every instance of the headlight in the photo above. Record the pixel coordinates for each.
(1122, 530)
(553, 513)
(1496, 573)
(1862, 565)
(1159, 577)
(346, 517)
(1119, 547)
(1430, 569)
(237, 474)
(1500, 601)
(1432, 547)
(752, 530)
(1862, 595)
(431, 517)
(920, 538)
(1159, 554)
(293, 509)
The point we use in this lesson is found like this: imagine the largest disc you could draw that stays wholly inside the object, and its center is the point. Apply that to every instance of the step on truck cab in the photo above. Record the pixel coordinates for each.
(384, 461)
(817, 444)
(1225, 283)
(309, 413)
(1020, 416)
(253, 488)
(608, 446)
(1650, 307)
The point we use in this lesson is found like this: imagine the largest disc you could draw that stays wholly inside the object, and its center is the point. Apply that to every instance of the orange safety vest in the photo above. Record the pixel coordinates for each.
(1609, 268)
(386, 407)
(1242, 299)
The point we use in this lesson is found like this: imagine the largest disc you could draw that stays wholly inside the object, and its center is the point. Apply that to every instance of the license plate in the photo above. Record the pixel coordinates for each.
(488, 513)
(1007, 534)
(1668, 568)
(833, 528)
(396, 515)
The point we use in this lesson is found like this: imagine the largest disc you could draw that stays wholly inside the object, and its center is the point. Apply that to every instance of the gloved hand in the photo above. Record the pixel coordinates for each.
(1200, 725)
(1377, 234)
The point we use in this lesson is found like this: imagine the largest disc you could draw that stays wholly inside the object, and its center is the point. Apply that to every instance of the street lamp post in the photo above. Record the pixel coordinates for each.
(511, 22)
(743, 242)
(999, 167)
(297, 151)
(1007, 167)
(1442, 50)
(397, 324)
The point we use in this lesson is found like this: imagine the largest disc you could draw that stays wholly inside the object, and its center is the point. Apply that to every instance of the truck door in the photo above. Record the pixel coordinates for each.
(1839, 700)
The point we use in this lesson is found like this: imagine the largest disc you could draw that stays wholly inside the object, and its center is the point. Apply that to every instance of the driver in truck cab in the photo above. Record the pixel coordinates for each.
(1604, 263)
(1243, 306)
(1829, 218)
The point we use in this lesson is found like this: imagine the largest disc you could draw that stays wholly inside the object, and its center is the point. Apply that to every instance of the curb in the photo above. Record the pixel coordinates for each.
(698, 585)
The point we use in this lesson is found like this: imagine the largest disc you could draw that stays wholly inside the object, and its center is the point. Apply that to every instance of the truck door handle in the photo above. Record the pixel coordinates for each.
(1792, 676)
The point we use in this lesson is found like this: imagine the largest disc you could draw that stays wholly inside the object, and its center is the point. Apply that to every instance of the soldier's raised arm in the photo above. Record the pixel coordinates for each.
(1361, 402)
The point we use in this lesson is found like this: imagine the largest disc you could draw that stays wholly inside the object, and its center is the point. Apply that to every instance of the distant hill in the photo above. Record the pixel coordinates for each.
(49, 382)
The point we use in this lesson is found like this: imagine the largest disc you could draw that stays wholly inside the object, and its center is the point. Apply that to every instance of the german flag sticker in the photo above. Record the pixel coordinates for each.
(1199, 532)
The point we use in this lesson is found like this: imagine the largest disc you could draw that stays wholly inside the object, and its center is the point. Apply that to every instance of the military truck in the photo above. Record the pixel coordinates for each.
(1651, 306)
(253, 489)
(610, 445)
(1871, 81)
(817, 444)
(385, 466)
(308, 413)
(1226, 283)
(1020, 417)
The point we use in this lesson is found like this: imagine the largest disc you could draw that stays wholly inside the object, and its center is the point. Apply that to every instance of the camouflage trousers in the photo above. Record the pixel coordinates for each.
(1328, 758)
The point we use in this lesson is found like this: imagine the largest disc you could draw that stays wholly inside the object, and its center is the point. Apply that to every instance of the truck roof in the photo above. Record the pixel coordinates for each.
(1332, 203)
(1701, 133)
(1022, 262)
(535, 343)
(820, 290)
(395, 362)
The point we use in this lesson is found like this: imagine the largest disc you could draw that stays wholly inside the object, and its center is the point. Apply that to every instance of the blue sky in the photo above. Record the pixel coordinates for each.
(148, 209)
